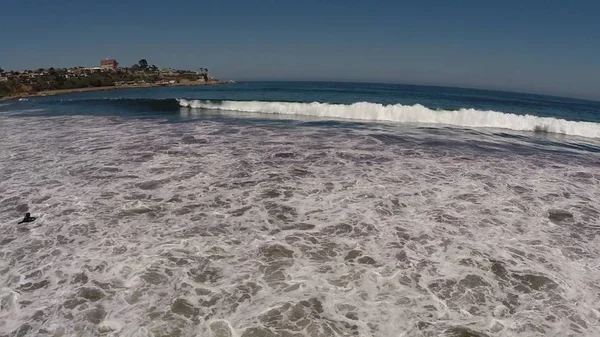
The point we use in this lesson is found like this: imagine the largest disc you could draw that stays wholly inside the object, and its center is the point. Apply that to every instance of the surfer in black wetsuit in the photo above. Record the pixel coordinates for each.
(28, 218)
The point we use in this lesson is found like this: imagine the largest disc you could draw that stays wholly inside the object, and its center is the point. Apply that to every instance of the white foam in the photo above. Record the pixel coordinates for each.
(252, 225)
(409, 114)
(20, 111)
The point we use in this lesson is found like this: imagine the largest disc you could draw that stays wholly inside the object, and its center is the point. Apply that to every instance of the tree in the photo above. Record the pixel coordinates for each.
(4, 89)
(153, 68)
(1, 70)
(143, 63)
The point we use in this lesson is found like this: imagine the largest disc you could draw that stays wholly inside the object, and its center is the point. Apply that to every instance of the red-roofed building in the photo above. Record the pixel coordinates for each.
(109, 64)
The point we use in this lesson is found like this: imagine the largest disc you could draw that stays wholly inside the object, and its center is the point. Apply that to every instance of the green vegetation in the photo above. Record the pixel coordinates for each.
(61, 79)
(143, 64)
(28, 81)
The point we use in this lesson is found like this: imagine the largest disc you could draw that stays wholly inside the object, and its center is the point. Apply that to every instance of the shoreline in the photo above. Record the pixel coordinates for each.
(106, 88)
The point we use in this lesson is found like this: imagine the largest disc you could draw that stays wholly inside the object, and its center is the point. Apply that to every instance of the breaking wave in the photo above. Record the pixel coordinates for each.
(408, 114)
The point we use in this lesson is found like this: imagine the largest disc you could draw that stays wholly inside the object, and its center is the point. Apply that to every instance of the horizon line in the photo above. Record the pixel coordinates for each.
(445, 86)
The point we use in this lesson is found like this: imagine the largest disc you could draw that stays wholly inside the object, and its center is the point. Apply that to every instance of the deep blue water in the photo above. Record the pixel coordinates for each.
(495, 110)
(442, 98)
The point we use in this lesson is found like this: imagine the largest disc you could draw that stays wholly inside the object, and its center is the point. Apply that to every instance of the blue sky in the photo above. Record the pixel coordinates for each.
(538, 46)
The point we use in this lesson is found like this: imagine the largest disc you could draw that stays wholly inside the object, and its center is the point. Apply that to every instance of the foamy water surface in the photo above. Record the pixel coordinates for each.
(207, 228)
(471, 118)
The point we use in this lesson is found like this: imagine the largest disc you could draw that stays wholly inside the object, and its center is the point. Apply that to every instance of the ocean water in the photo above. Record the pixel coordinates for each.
(300, 209)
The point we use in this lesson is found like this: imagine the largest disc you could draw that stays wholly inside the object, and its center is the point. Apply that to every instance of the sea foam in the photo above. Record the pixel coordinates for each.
(470, 118)
(211, 228)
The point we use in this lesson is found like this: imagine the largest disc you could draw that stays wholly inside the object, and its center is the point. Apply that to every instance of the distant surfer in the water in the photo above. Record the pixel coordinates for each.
(28, 218)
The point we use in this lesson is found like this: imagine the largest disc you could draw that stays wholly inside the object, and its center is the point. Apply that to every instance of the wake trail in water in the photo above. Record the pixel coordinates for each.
(471, 118)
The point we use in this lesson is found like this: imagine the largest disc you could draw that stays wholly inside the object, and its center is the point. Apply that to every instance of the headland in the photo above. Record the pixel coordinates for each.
(108, 76)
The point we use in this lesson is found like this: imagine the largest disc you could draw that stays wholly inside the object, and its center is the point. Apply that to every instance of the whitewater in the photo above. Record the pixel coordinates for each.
(251, 211)
(470, 118)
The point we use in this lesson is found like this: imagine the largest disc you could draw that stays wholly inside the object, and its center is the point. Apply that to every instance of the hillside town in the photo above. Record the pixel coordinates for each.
(108, 73)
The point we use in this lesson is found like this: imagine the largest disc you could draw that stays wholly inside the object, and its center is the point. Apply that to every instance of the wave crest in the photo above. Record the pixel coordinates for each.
(470, 118)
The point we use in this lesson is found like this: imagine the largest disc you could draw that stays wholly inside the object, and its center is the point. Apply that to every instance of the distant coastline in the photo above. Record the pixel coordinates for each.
(107, 88)
(108, 76)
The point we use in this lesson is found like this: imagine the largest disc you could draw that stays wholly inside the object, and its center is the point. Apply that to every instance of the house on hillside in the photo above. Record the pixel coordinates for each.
(111, 64)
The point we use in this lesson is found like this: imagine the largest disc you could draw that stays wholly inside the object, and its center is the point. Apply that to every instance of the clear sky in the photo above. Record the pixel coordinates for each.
(543, 46)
